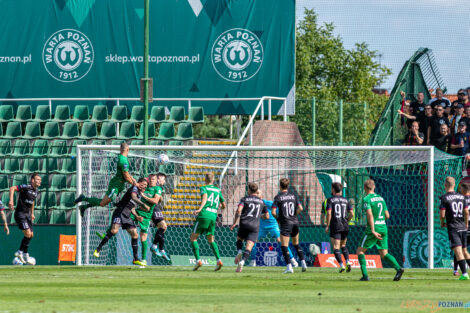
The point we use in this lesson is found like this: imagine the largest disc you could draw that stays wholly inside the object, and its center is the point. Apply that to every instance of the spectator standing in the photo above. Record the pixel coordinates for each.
(456, 118)
(460, 141)
(443, 141)
(414, 136)
(435, 125)
(440, 99)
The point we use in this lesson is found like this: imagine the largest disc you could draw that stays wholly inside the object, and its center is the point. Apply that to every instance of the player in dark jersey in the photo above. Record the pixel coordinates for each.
(465, 191)
(339, 213)
(289, 207)
(249, 211)
(24, 212)
(454, 216)
(122, 218)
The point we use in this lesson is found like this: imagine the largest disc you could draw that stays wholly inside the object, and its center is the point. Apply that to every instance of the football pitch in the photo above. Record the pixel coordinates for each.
(179, 289)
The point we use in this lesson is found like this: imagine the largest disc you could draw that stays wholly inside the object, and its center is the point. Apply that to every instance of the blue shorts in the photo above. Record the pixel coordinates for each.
(271, 231)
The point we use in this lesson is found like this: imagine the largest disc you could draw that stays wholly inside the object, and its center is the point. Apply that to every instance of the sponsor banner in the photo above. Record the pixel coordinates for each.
(270, 254)
(329, 260)
(186, 260)
(218, 49)
(67, 248)
(415, 249)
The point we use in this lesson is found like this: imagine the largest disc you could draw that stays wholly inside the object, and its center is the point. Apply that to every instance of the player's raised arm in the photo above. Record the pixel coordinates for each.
(140, 203)
(129, 178)
(153, 200)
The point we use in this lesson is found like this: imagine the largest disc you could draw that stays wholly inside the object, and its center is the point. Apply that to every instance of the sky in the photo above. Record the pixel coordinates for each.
(397, 28)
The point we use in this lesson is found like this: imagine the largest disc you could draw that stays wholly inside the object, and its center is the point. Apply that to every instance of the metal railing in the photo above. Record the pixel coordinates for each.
(118, 100)
(249, 127)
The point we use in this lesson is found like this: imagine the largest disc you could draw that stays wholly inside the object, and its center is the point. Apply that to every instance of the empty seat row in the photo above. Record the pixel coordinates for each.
(11, 166)
(41, 147)
(100, 114)
(89, 130)
(58, 182)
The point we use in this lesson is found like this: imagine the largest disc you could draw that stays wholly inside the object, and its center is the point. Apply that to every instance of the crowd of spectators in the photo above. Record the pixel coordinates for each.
(439, 122)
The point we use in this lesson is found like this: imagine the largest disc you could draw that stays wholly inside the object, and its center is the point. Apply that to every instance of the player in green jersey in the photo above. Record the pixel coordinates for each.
(158, 220)
(150, 198)
(376, 231)
(116, 184)
(212, 199)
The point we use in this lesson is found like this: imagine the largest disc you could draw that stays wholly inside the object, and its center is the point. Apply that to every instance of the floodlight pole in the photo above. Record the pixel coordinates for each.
(146, 76)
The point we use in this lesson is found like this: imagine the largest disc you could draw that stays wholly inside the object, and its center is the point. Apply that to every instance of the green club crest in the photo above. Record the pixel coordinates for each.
(68, 55)
(237, 55)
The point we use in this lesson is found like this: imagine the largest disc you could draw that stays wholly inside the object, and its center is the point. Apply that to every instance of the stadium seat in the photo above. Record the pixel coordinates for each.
(48, 200)
(11, 166)
(59, 183)
(89, 130)
(21, 148)
(73, 217)
(31, 165)
(43, 113)
(157, 115)
(58, 148)
(196, 115)
(23, 113)
(6, 113)
(100, 113)
(75, 143)
(40, 148)
(49, 165)
(151, 130)
(98, 142)
(127, 130)
(33, 130)
(137, 114)
(156, 142)
(19, 179)
(51, 130)
(44, 182)
(68, 166)
(119, 113)
(1, 130)
(108, 130)
(4, 184)
(13, 130)
(166, 131)
(70, 130)
(185, 131)
(137, 142)
(62, 113)
(57, 217)
(177, 114)
(66, 200)
(81, 113)
(73, 183)
(117, 142)
(39, 216)
(5, 147)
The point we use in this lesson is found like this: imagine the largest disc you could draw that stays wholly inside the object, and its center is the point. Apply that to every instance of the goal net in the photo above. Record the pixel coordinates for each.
(410, 187)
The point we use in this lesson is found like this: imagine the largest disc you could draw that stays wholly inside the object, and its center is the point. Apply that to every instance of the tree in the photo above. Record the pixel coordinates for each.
(328, 71)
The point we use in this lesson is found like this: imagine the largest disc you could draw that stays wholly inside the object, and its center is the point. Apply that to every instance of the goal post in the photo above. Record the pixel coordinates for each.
(409, 178)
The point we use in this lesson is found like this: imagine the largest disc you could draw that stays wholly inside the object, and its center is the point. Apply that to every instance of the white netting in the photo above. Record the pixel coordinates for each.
(401, 177)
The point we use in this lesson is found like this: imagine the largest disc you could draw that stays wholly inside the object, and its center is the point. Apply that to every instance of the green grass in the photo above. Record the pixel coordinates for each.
(179, 289)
